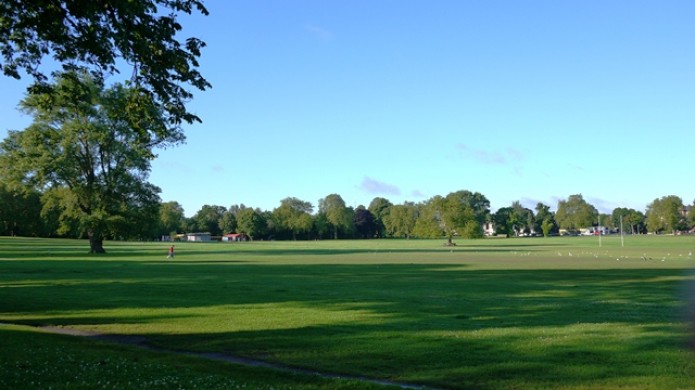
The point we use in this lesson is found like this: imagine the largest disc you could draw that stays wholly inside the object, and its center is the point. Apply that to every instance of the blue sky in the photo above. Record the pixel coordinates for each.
(518, 100)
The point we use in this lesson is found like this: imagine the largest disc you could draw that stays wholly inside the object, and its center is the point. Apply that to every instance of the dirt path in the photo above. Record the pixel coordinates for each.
(142, 342)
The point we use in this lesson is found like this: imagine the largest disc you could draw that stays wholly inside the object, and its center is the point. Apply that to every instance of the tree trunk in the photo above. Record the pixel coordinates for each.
(96, 243)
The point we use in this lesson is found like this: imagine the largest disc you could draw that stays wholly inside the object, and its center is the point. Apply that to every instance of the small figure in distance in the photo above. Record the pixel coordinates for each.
(171, 252)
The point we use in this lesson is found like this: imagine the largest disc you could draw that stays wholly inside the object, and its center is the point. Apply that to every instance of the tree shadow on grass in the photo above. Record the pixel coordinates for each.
(432, 288)
(434, 356)
(428, 323)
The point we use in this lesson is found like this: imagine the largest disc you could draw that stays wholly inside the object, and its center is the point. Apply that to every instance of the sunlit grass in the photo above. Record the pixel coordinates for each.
(497, 313)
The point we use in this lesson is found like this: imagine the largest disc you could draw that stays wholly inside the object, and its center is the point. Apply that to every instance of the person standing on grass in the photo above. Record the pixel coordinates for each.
(171, 252)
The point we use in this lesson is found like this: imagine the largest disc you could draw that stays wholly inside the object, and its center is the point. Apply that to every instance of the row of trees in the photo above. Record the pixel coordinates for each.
(463, 213)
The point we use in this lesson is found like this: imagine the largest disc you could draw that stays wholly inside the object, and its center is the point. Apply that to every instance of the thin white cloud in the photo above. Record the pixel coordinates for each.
(515, 154)
(530, 203)
(319, 32)
(602, 205)
(490, 157)
(376, 187)
(417, 194)
(554, 200)
(576, 167)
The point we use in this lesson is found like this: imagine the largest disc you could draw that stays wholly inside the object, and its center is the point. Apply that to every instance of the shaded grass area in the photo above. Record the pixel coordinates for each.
(32, 359)
(534, 313)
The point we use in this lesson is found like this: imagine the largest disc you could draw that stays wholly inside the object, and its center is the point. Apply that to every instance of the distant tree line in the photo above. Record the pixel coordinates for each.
(461, 214)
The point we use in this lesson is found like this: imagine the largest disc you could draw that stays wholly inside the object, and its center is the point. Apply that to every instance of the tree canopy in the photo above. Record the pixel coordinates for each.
(171, 217)
(251, 222)
(365, 223)
(666, 214)
(337, 214)
(400, 220)
(461, 213)
(631, 219)
(544, 219)
(83, 153)
(294, 215)
(95, 34)
(207, 219)
(514, 220)
(575, 213)
(379, 207)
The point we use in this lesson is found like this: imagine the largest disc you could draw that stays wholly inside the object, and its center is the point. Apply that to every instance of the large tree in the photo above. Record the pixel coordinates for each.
(470, 210)
(339, 216)
(666, 214)
(575, 213)
(461, 213)
(251, 222)
(364, 222)
(515, 220)
(379, 207)
(523, 220)
(228, 222)
(544, 219)
(89, 150)
(633, 219)
(294, 215)
(171, 218)
(139, 37)
(427, 224)
(400, 220)
(208, 218)
(502, 218)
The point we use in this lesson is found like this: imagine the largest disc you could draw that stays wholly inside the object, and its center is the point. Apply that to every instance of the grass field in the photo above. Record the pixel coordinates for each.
(531, 313)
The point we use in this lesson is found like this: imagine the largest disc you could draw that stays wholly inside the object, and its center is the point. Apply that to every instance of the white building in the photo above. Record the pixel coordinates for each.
(198, 237)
